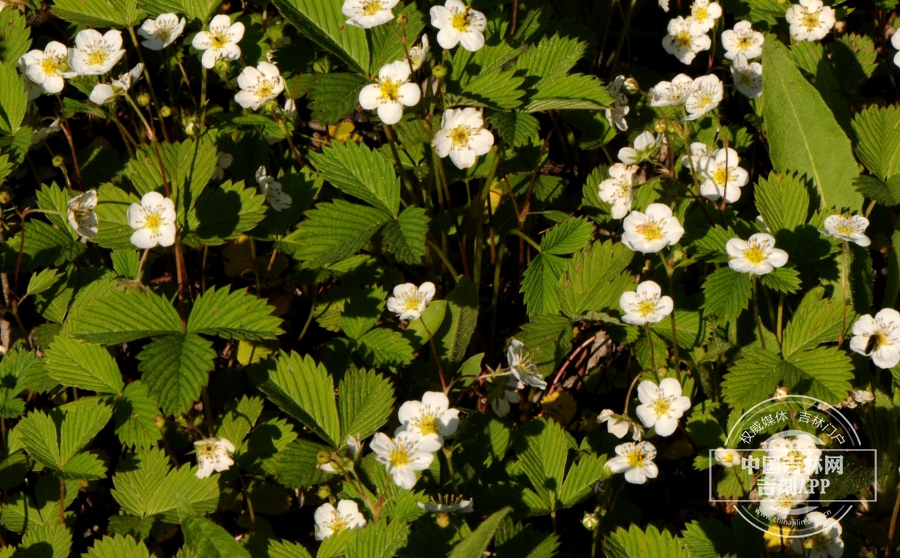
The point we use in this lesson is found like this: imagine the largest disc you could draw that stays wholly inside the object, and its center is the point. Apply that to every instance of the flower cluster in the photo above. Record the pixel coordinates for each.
(699, 96)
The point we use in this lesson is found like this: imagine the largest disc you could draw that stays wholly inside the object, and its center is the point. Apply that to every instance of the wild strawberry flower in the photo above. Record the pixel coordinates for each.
(849, 228)
(502, 394)
(447, 504)
(223, 162)
(458, 23)
(81, 213)
(646, 305)
(705, 95)
(331, 520)
(391, 92)
(742, 40)
(419, 53)
(275, 197)
(705, 13)
(895, 42)
(793, 457)
(259, 85)
(48, 68)
(671, 93)
(213, 454)
(619, 425)
(431, 417)
(221, 41)
(410, 301)
(652, 231)
(403, 455)
(367, 14)
(95, 54)
(103, 93)
(810, 20)
(783, 499)
(747, 76)
(723, 176)
(699, 155)
(878, 337)
(646, 147)
(462, 136)
(635, 459)
(661, 405)
(618, 189)
(861, 397)
(153, 221)
(685, 39)
(161, 32)
(756, 255)
(353, 449)
(825, 542)
(616, 114)
(728, 457)
(664, 4)
(522, 366)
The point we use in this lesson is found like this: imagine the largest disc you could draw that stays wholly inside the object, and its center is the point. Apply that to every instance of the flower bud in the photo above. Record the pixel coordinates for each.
(180, 421)
(159, 421)
(781, 393)
(165, 111)
(590, 521)
(660, 126)
(402, 20)
(439, 71)
(272, 106)
(6, 196)
(442, 519)
(631, 85)
(58, 161)
(323, 457)
(191, 128)
(143, 99)
(324, 492)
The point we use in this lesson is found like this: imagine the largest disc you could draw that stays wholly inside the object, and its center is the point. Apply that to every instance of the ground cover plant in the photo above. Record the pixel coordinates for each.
(513, 278)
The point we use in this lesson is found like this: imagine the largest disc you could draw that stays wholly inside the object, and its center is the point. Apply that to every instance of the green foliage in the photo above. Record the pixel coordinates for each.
(516, 128)
(334, 95)
(726, 293)
(233, 315)
(118, 313)
(323, 22)
(360, 172)
(365, 402)
(878, 140)
(475, 544)
(60, 446)
(117, 547)
(650, 542)
(176, 369)
(78, 364)
(593, 279)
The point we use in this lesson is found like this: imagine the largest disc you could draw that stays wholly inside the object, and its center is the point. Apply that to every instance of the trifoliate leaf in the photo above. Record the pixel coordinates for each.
(649, 542)
(362, 311)
(365, 402)
(518, 129)
(224, 212)
(782, 200)
(594, 279)
(74, 363)
(360, 172)
(815, 321)
(323, 22)
(119, 313)
(118, 546)
(824, 373)
(405, 236)
(136, 417)
(726, 293)
(233, 315)
(62, 451)
(381, 347)
(334, 95)
(175, 368)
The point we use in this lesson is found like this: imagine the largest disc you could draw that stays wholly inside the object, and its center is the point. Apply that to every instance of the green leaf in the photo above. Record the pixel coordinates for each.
(334, 95)
(224, 212)
(726, 293)
(98, 13)
(782, 200)
(572, 92)
(803, 135)
(119, 314)
(43, 280)
(381, 347)
(753, 378)
(331, 232)
(518, 129)
(210, 540)
(192, 9)
(15, 36)
(126, 263)
(635, 542)
(239, 419)
(541, 446)
(365, 403)
(456, 332)
(474, 545)
(112, 213)
(418, 332)
(405, 236)
(362, 311)
(35, 543)
(580, 479)
(856, 57)
(387, 45)
(176, 368)
(594, 279)
(135, 416)
(118, 546)
(567, 237)
(548, 339)
(360, 172)
(815, 321)
(13, 98)
(709, 538)
(233, 315)
(496, 89)
(539, 284)
(782, 279)
(19, 370)
(44, 246)
(884, 192)
(878, 140)
(296, 466)
(63, 452)
(304, 390)
(323, 22)
(74, 363)
(824, 373)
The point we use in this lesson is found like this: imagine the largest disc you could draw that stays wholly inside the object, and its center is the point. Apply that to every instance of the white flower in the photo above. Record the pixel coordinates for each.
(367, 14)
(290, 109)
(618, 189)
(618, 425)
(783, 500)
(458, 23)
(153, 221)
(619, 110)
(502, 393)
(220, 41)
(410, 301)
(636, 461)
(275, 197)
(878, 337)
(103, 92)
(705, 13)
(212, 454)
(685, 39)
(747, 76)
(645, 305)
(723, 176)
(862, 396)
(462, 136)
(81, 213)
(403, 455)
(223, 162)
(32, 89)
(664, 4)
(522, 366)
(391, 92)
(652, 231)
(895, 42)
(419, 53)
(798, 457)
(259, 85)
(671, 93)
(850, 229)
(95, 54)
(48, 67)
(40, 135)
(661, 405)
(161, 32)
(761, 224)
(330, 520)
(742, 40)
(447, 504)
(728, 457)
(699, 154)
(705, 96)
(431, 417)
(810, 20)
(757, 255)
(646, 147)
(825, 542)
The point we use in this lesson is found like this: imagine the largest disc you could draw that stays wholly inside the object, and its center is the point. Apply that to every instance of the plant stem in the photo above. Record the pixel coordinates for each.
(68, 134)
(479, 221)
(137, 47)
(406, 181)
(628, 393)
(62, 501)
(759, 326)
(843, 291)
(437, 356)
(255, 270)
(893, 528)
(670, 271)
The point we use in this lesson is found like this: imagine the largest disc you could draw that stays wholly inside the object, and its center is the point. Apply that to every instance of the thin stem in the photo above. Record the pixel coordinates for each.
(255, 270)
(137, 47)
(670, 271)
(759, 326)
(67, 131)
(843, 291)
(207, 410)
(246, 493)
(893, 527)
(203, 82)
(287, 135)
(569, 360)
(649, 333)
(625, 26)
(203, 269)
(479, 221)
(780, 316)
(444, 258)
(140, 270)
(628, 393)
(62, 502)
(406, 180)
(448, 453)
(312, 309)
(437, 356)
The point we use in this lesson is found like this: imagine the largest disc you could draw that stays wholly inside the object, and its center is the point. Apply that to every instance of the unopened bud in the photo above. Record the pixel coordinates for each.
(677, 255)
(439, 71)
(191, 128)
(781, 393)
(323, 457)
(590, 521)
(165, 111)
(442, 519)
(180, 421)
(631, 85)
(159, 421)
(402, 20)
(324, 492)
(143, 99)
(6, 196)
(660, 127)
(58, 161)
(272, 106)
(221, 66)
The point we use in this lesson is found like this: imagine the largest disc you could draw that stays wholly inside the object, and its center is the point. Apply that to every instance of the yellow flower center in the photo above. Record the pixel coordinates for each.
(721, 175)
(163, 33)
(459, 136)
(412, 304)
(624, 189)
(811, 20)
(97, 57)
(661, 406)
(636, 458)
(846, 228)
(728, 457)
(390, 90)
(398, 457)
(339, 524)
(744, 43)
(265, 90)
(817, 541)
(650, 231)
(646, 307)
(700, 14)
(154, 222)
(50, 65)
(684, 39)
(705, 100)
(429, 425)
(755, 255)
(218, 40)
(460, 21)
(371, 8)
